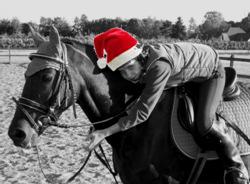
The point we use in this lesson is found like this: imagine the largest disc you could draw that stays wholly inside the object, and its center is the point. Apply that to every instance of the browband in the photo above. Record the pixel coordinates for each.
(43, 56)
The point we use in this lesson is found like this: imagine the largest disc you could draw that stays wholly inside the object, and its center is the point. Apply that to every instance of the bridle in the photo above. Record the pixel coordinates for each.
(50, 114)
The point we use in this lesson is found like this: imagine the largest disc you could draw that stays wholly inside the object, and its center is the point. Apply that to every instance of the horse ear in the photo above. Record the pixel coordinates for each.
(36, 36)
(54, 36)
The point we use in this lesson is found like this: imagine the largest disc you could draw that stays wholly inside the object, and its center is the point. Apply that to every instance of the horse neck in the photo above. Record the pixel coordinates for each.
(98, 94)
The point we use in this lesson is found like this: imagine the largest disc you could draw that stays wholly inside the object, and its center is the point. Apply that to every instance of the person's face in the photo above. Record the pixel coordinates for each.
(131, 71)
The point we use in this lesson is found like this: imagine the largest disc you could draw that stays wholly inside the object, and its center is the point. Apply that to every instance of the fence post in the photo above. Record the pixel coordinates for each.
(9, 55)
(232, 60)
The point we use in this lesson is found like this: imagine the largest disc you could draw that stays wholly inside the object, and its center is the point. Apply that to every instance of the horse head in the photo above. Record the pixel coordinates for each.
(47, 90)
(59, 75)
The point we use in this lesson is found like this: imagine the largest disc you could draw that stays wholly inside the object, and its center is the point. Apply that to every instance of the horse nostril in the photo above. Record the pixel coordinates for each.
(18, 135)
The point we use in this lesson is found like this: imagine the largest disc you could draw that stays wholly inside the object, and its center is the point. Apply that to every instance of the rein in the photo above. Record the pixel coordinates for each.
(128, 105)
(103, 159)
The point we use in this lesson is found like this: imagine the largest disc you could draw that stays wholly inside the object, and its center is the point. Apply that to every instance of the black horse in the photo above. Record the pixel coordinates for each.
(143, 154)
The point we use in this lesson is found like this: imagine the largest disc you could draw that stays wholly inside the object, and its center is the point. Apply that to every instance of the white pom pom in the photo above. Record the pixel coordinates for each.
(102, 63)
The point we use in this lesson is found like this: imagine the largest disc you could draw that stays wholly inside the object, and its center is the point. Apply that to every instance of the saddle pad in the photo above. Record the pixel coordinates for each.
(237, 111)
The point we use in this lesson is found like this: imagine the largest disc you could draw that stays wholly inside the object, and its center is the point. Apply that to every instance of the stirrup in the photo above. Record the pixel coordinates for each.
(236, 176)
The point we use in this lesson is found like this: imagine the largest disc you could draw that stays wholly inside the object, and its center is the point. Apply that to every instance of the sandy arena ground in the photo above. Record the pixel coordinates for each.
(62, 151)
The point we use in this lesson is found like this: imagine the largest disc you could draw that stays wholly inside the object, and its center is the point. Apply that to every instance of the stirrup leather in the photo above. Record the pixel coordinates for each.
(185, 111)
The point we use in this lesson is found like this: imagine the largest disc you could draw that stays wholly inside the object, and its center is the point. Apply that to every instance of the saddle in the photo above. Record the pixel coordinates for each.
(185, 110)
(235, 105)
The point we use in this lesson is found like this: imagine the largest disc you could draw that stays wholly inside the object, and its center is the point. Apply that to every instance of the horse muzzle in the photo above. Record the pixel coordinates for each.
(22, 134)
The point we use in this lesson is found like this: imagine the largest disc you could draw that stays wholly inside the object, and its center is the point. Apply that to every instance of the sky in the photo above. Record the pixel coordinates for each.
(33, 10)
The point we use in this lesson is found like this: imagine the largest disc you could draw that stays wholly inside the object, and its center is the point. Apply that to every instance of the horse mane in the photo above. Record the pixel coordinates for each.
(81, 45)
(72, 41)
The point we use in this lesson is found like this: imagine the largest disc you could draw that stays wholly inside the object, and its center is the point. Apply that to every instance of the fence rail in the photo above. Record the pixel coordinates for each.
(232, 59)
(9, 55)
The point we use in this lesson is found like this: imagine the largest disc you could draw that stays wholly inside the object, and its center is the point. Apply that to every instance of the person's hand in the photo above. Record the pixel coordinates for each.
(96, 138)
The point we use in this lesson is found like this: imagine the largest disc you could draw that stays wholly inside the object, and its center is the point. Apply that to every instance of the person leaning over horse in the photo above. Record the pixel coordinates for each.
(161, 65)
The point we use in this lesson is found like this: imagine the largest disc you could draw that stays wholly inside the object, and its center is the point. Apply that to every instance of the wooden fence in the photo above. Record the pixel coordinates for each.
(232, 59)
(8, 55)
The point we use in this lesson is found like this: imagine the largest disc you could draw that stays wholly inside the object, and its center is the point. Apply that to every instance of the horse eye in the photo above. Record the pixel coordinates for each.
(47, 78)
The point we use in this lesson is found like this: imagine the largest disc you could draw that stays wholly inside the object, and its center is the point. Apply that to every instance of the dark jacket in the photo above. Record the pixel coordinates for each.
(168, 65)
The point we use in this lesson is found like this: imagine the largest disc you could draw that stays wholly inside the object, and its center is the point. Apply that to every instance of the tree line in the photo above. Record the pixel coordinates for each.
(147, 28)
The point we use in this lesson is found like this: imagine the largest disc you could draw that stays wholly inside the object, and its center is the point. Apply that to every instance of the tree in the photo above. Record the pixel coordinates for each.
(60, 23)
(44, 26)
(120, 23)
(245, 24)
(149, 30)
(63, 27)
(166, 29)
(213, 25)
(135, 26)
(192, 29)
(25, 28)
(179, 29)
(157, 29)
(81, 25)
(77, 26)
(9, 27)
(14, 26)
(4, 24)
(234, 24)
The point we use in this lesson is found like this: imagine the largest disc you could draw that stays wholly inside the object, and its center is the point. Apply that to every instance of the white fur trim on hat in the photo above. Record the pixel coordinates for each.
(102, 63)
(124, 57)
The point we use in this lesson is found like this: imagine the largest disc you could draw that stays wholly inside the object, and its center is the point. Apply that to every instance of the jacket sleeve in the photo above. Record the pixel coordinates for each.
(155, 82)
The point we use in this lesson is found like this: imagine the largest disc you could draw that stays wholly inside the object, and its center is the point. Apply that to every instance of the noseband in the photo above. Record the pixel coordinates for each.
(50, 114)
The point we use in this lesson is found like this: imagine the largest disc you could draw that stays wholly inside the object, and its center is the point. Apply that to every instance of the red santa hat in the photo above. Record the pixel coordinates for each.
(115, 47)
